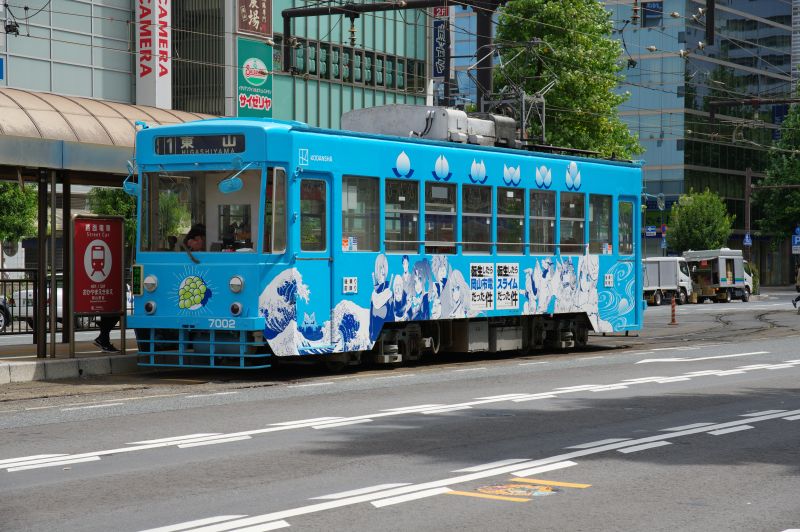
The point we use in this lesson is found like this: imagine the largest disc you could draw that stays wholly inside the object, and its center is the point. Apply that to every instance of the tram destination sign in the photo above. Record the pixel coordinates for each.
(199, 144)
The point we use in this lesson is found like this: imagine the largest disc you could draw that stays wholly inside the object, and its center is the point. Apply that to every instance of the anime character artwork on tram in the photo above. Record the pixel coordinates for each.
(422, 247)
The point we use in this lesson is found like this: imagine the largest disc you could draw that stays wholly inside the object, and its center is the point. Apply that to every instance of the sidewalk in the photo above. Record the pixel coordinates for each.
(18, 363)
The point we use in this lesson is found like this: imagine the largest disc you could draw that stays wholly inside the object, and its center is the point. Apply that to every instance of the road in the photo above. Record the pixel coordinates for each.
(687, 427)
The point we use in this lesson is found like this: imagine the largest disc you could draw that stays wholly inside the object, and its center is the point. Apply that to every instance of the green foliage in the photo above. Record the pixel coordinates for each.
(116, 202)
(17, 212)
(756, 278)
(699, 220)
(583, 59)
(173, 216)
(780, 207)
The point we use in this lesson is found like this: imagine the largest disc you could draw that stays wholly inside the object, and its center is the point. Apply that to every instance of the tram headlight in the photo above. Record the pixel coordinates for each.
(236, 308)
(236, 284)
(150, 307)
(150, 283)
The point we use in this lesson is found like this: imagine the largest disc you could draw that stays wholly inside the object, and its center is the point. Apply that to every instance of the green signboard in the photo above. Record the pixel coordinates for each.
(254, 86)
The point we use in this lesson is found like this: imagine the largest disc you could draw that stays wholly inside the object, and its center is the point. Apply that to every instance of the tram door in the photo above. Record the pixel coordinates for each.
(314, 260)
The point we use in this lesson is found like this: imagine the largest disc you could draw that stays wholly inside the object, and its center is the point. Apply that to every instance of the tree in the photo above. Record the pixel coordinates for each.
(17, 212)
(577, 52)
(116, 202)
(780, 207)
(699, 220)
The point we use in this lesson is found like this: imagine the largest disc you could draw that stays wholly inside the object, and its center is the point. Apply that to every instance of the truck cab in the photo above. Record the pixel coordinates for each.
(666, 278)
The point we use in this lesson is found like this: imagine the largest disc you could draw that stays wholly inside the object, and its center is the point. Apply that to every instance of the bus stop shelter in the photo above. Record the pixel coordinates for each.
(54, 140)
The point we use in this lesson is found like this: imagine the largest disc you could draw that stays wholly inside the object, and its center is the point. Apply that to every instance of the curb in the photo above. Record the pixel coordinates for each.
(71, 368)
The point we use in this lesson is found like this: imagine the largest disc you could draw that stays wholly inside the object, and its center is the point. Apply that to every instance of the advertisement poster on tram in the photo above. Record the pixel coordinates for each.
(97, 254)
(254, 86)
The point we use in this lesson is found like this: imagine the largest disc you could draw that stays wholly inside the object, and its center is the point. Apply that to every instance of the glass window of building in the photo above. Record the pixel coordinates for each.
(599, 224)
(275, 212)
(510, 220)
(476, 218)
(402, 216)
(573, 239)
(440, 217)
(313, 226)
(625, 228)
(360, 208)
(543, 222)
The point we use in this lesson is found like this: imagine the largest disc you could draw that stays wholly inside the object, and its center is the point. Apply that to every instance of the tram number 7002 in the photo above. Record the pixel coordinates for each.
(216, 323)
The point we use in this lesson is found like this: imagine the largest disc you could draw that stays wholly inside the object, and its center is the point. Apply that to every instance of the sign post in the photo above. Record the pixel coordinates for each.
(97, 282)
(795, 244)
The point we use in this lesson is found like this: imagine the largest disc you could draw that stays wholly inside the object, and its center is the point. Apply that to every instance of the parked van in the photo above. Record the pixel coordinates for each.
(665, 278)
(718, 275)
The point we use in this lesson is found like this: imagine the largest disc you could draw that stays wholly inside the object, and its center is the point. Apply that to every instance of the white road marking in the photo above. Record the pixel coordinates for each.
(309, 384)
(543, 468)
(250, 524)
(764, 413)
(531, 363)
(360, 491)
(394, 377)
(609, 388)
(266, 527)
(506, 396)
(304, 421)
(578, 388)
(410, 497)
(404, 409)
(469, 369)
(534, 397)
(212, 442)
(701, 358)
(637, 448)
(209, 394)
(104, 405)
(792, 418)
(191, 524)
(686, 427)
(28, 458)
(591, 358)
(729, 430)
(448, 409)
(176, 438)
(56, 463)
(597, 443)
(672, 379)
(341, 423)
(490, 465)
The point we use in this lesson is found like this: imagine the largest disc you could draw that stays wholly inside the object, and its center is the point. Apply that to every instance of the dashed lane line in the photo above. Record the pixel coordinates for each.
(410, 497)
(731, 429)
(645, 446)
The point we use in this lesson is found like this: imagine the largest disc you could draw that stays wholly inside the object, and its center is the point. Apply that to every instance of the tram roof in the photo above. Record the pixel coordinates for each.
(271, 123)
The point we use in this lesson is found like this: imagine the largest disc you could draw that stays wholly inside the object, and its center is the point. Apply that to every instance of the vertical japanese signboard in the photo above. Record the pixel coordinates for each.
(481, 286)
(254, 87)
(441, 40)
(154, 53)
(254, 17)
(97, 277)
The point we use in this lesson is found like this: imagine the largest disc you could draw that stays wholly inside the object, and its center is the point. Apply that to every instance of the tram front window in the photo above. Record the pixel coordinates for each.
(175, 203)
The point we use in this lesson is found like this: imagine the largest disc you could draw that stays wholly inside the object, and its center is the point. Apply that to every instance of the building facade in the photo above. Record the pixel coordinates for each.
(690, 104)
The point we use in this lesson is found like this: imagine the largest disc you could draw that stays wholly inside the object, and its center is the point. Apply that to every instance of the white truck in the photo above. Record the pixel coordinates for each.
(665, 278)
(719, 275)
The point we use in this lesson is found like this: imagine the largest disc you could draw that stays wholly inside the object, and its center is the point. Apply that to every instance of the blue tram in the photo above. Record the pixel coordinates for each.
(351, 246)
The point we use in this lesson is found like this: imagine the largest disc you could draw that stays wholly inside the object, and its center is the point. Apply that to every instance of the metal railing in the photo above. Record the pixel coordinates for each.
(18, 296)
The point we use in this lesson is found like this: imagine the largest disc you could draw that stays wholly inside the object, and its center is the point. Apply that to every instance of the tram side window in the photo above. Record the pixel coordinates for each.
(573, 239)
(599, 224)
(543, 221)
(510, 220)
(275, 212)
(440, 218)
(625, 229)
(360, 208)
(313, 230)
(402, 216)
(476, 219)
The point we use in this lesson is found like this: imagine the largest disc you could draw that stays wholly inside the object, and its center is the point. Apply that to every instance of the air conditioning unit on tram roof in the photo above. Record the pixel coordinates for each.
(435, 123)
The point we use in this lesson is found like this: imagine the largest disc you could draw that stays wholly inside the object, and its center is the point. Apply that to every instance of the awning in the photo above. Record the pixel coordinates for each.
(44, 130)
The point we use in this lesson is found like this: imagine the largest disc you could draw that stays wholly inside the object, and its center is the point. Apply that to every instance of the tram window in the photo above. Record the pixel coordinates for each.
(625, 228)
(275, 212)
(510, 220)
(360, 213)
(543, 221)
(476, 219)
(175, 201)
(440, 218)
(402, 216)
(600, 224)
(572, 223)
(313, 231)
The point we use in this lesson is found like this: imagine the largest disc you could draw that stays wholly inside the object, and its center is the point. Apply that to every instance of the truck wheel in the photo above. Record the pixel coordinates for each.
(746, 294)
(657, 298)
(682, 297)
